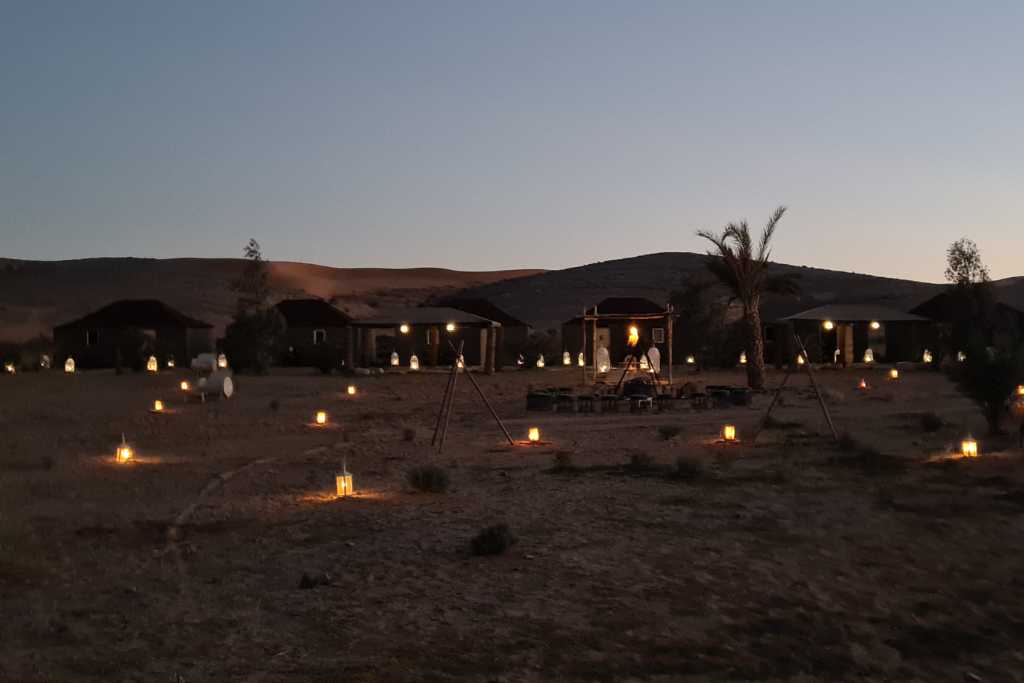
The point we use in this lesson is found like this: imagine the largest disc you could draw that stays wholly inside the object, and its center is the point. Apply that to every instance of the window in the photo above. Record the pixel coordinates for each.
(319, 337)
(658, 335)
(92, 337)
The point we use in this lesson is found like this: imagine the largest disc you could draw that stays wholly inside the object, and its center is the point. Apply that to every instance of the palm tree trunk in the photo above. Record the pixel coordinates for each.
(755, 346)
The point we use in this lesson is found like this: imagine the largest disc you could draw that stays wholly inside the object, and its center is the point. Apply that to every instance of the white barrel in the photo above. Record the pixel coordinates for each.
(205, 362)
(218, 384)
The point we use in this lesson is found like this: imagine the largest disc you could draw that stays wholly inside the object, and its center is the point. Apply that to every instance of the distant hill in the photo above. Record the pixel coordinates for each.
(547, 299)
(36, 295)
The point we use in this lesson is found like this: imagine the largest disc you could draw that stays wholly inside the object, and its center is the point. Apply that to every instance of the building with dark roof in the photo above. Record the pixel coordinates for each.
(315, 332)
(132, 329)
(425, 332)
(513, 334)
(986, 314)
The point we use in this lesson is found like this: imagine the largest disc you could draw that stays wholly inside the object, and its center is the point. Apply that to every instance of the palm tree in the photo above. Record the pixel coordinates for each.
(744, 272)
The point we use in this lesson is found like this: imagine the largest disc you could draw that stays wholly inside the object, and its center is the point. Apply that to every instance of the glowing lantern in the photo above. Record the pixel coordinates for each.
(926, 357)
(9, 368)
(403, 328)
(222, 361)
(828, 325)
(44, 361)
(894, 374)
(158, 406)
(124, 451)
(969, 448)
(961, 356)
(460, 362)
(534, 434)
(540, 360)
(69, 365)
(151, 364)
(351, 389)
(863, 386)
(184, 385)
(603, 367)
(414, 362)
(690, 360)
(743, 357)
(869, 356)
(729, 433)
(581, 361)
(634, 335)
(394, 359)
(566, 358)
(520, 361)
(643, 363)
(343, 481)
(321, 417)
(170, 361)
(875, 325)
(800, 360)
(450, 327)
(1020, 389)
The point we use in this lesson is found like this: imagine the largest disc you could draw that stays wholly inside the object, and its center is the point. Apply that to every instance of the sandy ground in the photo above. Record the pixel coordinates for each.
(787, 559)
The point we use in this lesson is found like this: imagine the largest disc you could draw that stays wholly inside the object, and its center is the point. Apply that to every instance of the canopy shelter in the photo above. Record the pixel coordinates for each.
(844, 333)
(626, 328)
(425, 332)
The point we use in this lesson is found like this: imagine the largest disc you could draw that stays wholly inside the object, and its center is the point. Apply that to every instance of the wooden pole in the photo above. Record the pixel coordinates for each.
(444, 404)
(451, 395)
(593, 342)
(487, 403)
(771, 406)
(583, 343)
(817, 392)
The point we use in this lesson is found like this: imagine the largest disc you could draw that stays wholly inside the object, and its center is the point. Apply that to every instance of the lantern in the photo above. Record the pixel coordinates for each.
(450, 327)
(894, 374)
(222, 361)
(690, 360)
(403, 328)
(534, 434)
(184, 385)
(540, 360)
(520, 361)
(743, 357)
(1020, 389)
(603, 367)
(321, 417)
(869, 356)
(800, 360)
(729, 433)
(566, 358)
(961, 356)
(875, 325)
(394, 359)
(9, 368)
(926, 357)
(581, 361)
(414, 362)
(634, 335)
(124, 451)
(460, 362)
(343, 481)
(351, 389)
(151, 364)
(158, 406)
(44, 361)
(969, 448)
(828, 325)
(170, 361)
(69, 365)
(863, 386)
(644, 365)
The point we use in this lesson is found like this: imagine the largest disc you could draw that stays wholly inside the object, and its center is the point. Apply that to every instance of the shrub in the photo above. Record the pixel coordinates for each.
(640, 462)
(428, 479)
(931, 422)
(668, 432)
(688, 468)
(494, 540)
(409, 434)
(989, 376)
(252, 338)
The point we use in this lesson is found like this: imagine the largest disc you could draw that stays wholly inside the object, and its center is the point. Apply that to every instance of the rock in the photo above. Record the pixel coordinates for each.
(310, 581)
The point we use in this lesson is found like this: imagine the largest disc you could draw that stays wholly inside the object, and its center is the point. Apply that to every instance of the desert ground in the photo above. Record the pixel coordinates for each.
(787, 558)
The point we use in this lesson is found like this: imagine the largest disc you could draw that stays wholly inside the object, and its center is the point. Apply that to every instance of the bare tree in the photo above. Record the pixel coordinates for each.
(743, 269)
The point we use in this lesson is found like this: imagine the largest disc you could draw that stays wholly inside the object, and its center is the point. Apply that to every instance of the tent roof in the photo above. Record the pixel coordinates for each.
(483, 308)
(424, 315)
(303, 312)
(855, 313)
(142, 313)
(627, 305)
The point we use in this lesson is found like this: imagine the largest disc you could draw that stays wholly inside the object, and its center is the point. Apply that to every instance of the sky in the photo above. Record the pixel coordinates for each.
(483, 135)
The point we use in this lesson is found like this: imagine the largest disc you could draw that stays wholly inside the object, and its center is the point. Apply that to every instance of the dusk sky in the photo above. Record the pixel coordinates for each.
(484, 135)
